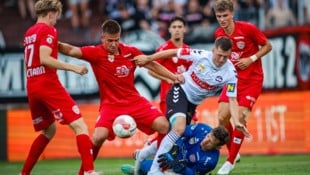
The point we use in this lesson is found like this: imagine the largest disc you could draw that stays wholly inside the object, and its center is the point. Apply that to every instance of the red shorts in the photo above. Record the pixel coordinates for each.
(49, 104)
(247, 93)
(140, 109)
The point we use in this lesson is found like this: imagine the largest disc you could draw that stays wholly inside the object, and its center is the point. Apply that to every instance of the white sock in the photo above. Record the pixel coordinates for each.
(165, 146)
(147, 151)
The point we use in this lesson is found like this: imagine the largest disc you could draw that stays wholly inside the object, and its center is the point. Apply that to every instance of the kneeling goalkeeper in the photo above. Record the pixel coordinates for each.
(196, 152)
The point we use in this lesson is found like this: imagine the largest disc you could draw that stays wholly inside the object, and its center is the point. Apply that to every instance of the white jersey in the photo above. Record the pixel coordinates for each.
(203, 79)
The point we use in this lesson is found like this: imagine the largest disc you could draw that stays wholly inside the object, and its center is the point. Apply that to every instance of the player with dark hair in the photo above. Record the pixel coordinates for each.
(197, 151)
(209, 72)
(249, 46)
(114, 70)
(48, 99)
(176, 65)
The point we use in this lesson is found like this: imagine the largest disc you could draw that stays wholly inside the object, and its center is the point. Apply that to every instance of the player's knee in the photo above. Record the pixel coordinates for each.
(99, 136)
(161, 125)
(223, 121)
(50, 131)
(79, 126)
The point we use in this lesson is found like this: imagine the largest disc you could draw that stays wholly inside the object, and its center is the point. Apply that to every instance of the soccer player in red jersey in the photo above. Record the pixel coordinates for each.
(175, 65)
(177, 29)
(249, 46)
(48, 99)
(114, 70)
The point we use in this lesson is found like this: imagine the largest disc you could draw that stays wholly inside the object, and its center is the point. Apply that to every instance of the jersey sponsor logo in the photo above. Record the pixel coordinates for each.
(122, 71)
(234, 56)
(185, 51)
(231, 87)
(200, 83)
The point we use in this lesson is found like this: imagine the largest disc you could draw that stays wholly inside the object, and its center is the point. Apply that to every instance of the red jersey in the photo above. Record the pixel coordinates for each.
(40, 76)
(114, 73)
(48, 99)
(246, 40)
(175, 65)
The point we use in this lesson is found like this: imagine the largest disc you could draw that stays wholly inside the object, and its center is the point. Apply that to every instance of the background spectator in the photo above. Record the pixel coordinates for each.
(26, 6)
(280, 15)
(80, 14)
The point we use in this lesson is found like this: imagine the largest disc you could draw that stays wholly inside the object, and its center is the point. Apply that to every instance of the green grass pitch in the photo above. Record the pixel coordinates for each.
(256, 165)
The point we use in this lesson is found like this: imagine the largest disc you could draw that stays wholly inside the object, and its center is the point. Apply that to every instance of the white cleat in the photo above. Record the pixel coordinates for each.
(226, 168)
(92, 173)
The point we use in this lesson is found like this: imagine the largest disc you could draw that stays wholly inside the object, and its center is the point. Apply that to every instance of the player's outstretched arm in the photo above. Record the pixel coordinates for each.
(142, 60)
(47, 60)
(237, 119)
(70, 50)
(164, 72)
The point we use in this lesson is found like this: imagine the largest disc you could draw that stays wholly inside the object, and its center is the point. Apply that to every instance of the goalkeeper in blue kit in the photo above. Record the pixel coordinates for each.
(196, 152)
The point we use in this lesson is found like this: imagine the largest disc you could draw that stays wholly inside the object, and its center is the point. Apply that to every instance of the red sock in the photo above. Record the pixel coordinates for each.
(95, 154)
(85, 149)
(36, 150)
(230, 129)
(237, 140)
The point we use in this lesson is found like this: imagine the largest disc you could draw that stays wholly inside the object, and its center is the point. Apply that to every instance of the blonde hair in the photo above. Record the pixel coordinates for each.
(42, 7)
(222, 5)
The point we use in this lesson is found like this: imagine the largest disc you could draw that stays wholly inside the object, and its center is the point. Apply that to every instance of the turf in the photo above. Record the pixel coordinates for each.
(262, 165)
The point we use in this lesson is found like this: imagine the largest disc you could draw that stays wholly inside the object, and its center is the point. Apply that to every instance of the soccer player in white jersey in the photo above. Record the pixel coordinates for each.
(207, 75)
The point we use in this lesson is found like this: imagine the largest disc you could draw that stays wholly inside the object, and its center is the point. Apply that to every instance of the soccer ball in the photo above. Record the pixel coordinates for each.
(124, 126)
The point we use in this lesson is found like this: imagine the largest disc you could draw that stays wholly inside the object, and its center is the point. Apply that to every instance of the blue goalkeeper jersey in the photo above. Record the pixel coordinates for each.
(197, 160)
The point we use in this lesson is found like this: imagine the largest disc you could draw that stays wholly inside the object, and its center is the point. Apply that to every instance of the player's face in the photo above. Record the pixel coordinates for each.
(177, 30)
(209, 142)
(220, 57)
(110, 42)
(224, 18)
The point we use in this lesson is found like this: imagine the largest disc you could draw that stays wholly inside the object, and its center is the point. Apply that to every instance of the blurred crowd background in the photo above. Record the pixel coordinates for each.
(81, 19)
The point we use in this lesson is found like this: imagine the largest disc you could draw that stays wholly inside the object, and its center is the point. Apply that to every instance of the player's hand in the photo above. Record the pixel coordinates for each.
(179, 166)
(165, 161)
(243, 63)
(141, 60)
(179, 79)
(243, 129)
(81, 70)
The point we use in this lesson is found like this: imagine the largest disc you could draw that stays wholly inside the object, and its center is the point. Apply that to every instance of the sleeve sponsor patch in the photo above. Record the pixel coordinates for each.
(231, 87)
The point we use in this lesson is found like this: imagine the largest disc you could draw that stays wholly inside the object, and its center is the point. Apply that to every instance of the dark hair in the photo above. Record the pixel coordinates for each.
(177, 18)
(42, 7)
(222, 5)
(110, 26)
(221, 134)
(224, 43)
